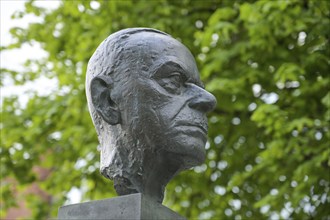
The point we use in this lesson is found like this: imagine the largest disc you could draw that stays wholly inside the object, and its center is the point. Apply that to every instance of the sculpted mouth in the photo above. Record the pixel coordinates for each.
(201, 126)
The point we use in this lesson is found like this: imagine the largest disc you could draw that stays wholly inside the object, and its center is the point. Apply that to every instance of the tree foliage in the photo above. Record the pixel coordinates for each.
(267, 62)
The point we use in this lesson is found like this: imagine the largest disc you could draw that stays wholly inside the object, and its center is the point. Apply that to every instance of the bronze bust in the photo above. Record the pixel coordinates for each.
(149, 108)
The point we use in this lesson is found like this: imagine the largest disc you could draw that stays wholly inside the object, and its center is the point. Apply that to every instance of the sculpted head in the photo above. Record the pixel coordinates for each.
(149, 108)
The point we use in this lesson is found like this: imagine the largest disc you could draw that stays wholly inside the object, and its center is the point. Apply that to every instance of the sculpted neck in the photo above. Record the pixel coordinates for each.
(155, 170)
(159, 169)
(136, 168)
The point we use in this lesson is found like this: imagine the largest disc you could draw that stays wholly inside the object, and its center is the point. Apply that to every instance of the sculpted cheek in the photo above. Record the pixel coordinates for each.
(152, 94)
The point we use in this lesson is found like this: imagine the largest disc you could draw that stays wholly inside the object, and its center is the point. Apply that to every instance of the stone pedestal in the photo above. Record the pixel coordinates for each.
(133, 206)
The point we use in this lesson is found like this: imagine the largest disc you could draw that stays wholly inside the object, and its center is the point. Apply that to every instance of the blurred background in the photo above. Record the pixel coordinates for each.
(267, 62)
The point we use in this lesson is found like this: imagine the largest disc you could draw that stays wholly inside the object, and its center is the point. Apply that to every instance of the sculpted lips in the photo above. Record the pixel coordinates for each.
(200, 125)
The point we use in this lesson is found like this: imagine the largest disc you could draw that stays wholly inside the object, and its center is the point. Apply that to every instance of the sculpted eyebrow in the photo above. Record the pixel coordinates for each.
(167, 68)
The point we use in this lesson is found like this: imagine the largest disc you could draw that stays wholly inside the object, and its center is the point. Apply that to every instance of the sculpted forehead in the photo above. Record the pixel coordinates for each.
(150, 50)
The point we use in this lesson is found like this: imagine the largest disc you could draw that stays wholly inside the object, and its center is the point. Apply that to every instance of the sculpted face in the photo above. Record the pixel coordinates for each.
(162, 101)
(149, 107)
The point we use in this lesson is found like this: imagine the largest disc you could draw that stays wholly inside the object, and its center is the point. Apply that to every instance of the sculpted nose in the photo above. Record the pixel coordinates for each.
(202, 100)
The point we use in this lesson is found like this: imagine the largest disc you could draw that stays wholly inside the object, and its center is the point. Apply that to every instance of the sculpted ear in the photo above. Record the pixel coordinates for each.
(100, 92)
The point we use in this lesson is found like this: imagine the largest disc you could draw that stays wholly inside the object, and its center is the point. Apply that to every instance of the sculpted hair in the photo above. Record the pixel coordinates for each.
(106, 61)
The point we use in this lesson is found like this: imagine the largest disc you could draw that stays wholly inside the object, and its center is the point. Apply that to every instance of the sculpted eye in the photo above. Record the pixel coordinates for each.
(172, 83)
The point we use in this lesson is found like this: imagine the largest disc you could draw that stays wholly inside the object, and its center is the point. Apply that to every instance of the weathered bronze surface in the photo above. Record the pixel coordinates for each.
(149, 107)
